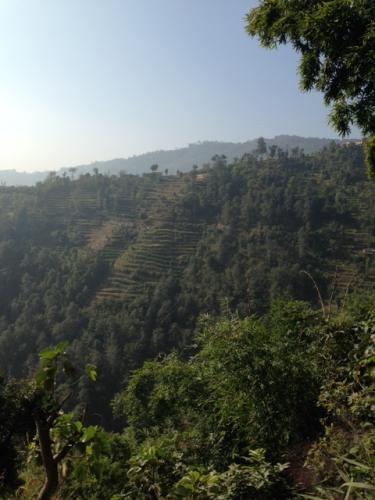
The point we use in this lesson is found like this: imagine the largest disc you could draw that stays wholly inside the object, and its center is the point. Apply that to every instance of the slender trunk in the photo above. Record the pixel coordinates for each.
(50, 464)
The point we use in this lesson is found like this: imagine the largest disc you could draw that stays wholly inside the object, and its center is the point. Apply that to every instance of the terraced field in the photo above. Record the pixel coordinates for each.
(136, 234)
(141, 237)
(356, 266)
(162, 244)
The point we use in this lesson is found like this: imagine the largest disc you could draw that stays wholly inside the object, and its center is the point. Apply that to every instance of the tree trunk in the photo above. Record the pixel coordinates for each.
(50, 465)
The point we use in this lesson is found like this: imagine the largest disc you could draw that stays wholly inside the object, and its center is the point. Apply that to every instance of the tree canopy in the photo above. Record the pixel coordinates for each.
(336, 39)
(189, 270)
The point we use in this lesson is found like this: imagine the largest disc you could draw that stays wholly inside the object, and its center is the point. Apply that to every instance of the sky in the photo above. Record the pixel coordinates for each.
(88, 80)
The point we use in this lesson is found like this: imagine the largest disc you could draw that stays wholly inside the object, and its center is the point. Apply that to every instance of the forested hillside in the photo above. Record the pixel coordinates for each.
(124, 268)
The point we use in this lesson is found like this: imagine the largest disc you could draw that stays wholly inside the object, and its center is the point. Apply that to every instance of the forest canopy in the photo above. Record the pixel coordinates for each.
(195, 297)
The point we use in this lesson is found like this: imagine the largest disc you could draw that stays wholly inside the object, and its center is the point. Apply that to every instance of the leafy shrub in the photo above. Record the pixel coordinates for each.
(342, 461)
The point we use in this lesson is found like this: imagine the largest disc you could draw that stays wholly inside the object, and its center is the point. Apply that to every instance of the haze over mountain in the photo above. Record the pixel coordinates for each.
(179, 159)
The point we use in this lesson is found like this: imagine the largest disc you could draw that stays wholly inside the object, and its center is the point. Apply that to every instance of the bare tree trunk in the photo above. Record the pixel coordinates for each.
(50, 464)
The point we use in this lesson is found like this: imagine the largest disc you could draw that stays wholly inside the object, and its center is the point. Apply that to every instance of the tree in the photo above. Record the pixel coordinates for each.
(72, 171)
(154, 167)
(52, 176)
(273, 149)
(336, 39)
(261, 148)
(57, 433)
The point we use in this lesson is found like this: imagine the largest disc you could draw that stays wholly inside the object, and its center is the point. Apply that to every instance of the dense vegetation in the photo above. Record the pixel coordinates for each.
(190, 295)
(276, 407)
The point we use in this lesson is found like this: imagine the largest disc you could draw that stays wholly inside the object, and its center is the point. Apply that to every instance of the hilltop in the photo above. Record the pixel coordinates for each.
(179, 159)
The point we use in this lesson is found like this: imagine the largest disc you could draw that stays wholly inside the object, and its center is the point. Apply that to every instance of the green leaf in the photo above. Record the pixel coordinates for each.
(41, 377)
(89, 450)
(354, 462)
(360, 486)
(78, 425)
(91, 372)
(184, 487)
(311, 497)
(48, 354)
(89, 433)
(61, 346)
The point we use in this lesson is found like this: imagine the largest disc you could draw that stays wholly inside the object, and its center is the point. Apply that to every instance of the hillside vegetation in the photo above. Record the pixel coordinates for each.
(209, 273)
(125, 265)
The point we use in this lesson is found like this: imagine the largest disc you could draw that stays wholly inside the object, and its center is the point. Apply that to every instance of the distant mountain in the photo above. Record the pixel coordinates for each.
(181, 159)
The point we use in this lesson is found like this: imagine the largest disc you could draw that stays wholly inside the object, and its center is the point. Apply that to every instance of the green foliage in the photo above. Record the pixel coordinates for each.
(370, 156)
(158, 473)
(335, 40)
(53, 362)
(57, 433)
(99, 471)
(152, 472)
(198, 485)
(220, 423)
(51, 359)
(233, 237)
(256, 479)
(161, 393)
(259, 372)
(248, 386)
(343, 457)
(15, 422)
(259, 382)
(263, 383)
(91, 372)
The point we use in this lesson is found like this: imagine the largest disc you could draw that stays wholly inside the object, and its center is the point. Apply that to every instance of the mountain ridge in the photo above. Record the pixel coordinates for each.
(174, 160)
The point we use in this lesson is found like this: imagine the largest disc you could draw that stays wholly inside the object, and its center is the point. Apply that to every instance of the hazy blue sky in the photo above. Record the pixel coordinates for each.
(85, 80)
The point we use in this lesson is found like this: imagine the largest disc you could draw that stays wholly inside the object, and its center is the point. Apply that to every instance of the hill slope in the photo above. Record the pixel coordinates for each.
(123, 266)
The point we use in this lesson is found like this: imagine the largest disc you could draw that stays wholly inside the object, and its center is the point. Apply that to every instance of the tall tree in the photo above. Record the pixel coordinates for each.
(336, 40)
(57, 433)
(261, 148)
